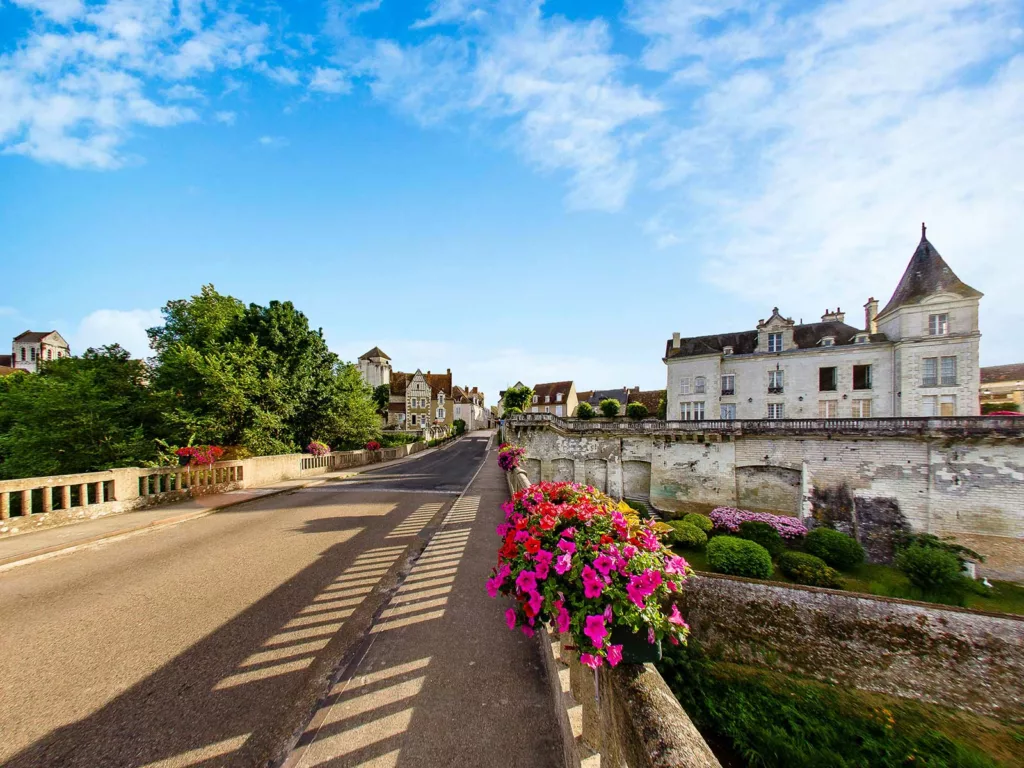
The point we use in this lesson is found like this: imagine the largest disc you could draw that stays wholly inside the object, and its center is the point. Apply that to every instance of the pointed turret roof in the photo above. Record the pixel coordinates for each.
(375, 352)
(927, 274)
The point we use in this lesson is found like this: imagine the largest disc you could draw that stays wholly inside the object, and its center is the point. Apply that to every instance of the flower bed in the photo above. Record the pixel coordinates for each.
(200, 455)
(509, 455)
(729, 519)
(318, 449)
(573, 556)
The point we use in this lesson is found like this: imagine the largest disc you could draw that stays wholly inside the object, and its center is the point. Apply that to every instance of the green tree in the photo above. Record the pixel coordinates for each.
(584, 410)
(518, 397)
(662, 409)
(382, 398)
(79, 415)
(636, 410)
(610, 407)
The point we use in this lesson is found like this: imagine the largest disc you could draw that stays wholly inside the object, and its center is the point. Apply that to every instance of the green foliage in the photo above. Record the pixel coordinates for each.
(701, 521)
(763, 534)
(773, 721)
(512, 411)
(907, 539)
(584, 410)
(640, 508)
(518, 397)
(991, 407)
(808, 569)
(687, 535)
(80, 415)
(739, 557)
(610, 407)
(835, 548)
(459, 427)
(382, 398)
(636, 411)
(392, 439)
(930, 569)
(662, 409)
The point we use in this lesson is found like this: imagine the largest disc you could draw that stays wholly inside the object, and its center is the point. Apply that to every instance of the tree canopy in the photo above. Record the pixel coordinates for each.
(518, 397)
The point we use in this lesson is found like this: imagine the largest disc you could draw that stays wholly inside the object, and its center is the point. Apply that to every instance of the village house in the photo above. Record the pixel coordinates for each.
(469, 406)
(500, 407)
(1002, 386)
(917, 357)
(596, 396)
(557, 398)
(651, 398)
(420, 400)
(31, 347)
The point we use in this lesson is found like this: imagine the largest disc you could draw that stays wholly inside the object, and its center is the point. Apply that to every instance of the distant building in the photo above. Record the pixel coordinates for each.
(652, 398)
(917, 357)
(596, 396)
(469, 406)
(31, 347)
(1003, 384)
(500, 407)
(375, 367)
(557, 398)
(420, 400)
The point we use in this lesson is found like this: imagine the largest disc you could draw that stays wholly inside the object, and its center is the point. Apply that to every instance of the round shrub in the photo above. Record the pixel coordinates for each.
(808, 569)
(585, 410)
(610, 407)
(835, 548)
(636, 411)
(701, 521)
(739, 557)
(929, 568)
(687, 536)
(763, 534)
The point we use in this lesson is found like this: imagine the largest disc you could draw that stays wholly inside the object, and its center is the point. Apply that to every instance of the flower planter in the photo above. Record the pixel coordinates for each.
(184, 460)
(635, 648)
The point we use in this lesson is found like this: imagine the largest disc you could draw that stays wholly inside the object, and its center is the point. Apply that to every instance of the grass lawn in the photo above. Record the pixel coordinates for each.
(884, 580)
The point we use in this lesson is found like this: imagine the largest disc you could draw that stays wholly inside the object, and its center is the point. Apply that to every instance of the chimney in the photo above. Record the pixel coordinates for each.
(675, 341)
(449, 372)
(870, 313)
(833, 317)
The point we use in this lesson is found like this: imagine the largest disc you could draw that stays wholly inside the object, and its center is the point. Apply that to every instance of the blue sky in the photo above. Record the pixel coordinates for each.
(515, 190)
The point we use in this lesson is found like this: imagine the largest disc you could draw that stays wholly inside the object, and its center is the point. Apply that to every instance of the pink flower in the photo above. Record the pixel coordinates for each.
(563, 563)
(675, 564)
(651, 637)
(636, 592)
(521, 536)
(590, 660)
(567, 546)
(594, 629)
(592, 584)
(526, 581)
(503, 529)
(568, 533)
(510, 618)
(604, 564)
(673, 639)
(527, 631)
(493, 585)
(536, 602)
(561, 618)
(608, 613)
(675, 617)
(648, 540)
(629, 551)
(508, 508)
(504, 570)
(614, 655)
(541, 563)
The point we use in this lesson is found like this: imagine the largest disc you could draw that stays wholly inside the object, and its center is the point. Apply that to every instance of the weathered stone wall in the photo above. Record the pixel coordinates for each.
(949, 656)
(971, 488)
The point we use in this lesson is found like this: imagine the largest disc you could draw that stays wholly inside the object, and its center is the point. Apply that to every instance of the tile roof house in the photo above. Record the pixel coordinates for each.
(469, 406)
(596, 396)
(420, 399)
(31, 347)
(651, 398)
(1002, 385)
(556, 397)
(917, 357)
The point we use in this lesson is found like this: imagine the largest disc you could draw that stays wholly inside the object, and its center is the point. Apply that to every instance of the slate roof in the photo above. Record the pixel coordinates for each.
(597, 395)
(805, 336)
(466, 395)
(6, 361)
(994, 374)
(552, 389)
(375, 352)
(927, 274)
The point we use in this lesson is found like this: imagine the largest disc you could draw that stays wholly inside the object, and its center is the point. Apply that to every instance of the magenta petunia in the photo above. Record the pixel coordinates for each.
(604, 564)
(563, 563)
(526, 581)
(594, 629)
(567, 546)
(592, 584)
(590, 660)
(541, 563)
(614, 653)
(510, 618)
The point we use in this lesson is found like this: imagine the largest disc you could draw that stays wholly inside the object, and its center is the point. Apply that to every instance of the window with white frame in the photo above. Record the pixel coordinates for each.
(947, 405)
(861, 409)
(828, 409)
(691, 410)
(401, 417)
(558, 397)
(728, 411)
(535, 398)
(930, 405)
(32, 353)
(774, 342)
(699, 385)
(776, 411)
(458, 411)
(686, 385)
(440, 398)
(728, 383)
(547, 398)
(776, 381)
(947, 371)
(440, 413)
(558, 410)
(938, 325)
(534, 409)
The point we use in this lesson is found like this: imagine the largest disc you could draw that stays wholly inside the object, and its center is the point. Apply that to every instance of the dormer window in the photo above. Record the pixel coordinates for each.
(726, 350)
(558, 397)
(861, 338)
(938, 325)
(774, 342)
(828, 341)
(535, 399)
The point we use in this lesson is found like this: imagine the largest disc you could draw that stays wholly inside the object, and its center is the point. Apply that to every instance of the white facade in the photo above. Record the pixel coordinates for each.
(33, 347)
(375, 367)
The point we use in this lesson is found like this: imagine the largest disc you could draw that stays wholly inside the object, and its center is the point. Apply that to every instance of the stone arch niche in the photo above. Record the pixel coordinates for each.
(562, 470)
(597, 473)
(636, 480)
(532, 469)
(765, 488)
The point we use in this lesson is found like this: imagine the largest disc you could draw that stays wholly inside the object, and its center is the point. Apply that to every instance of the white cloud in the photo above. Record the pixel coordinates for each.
(181, 92)
(272, 141)
(60, 11)
(225, 117)
(453, 12)
(555, 80)
(800, 178)
(329, 80)
(280, 75)
(115, 326)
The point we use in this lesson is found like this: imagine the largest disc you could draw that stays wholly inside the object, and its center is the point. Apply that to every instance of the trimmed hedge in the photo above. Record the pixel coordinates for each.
(808, 569)
(701, 521)
(835, 548)
(739, 557)
(687, 535)
(763, 534)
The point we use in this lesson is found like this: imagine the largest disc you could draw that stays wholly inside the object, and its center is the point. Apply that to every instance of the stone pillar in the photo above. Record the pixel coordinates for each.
(579, 471)
(83, 495)
(47, 499)
(611, 745)
(100, 487)
(592, 730)
(65, 497)
(614, 476)
(5, 505)
(26, 502)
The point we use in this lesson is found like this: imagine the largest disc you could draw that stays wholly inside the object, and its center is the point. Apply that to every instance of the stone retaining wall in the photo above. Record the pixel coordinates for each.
(967, 659)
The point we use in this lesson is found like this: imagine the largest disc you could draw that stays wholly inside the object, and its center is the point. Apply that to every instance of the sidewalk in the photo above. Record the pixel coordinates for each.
(442, 681)
(28, 547)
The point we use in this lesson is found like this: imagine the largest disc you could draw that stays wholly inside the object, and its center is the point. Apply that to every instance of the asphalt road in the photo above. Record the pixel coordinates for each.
(208, 643)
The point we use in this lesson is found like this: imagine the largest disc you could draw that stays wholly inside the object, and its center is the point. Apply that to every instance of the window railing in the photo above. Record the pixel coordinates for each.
(727, 392)
(775, 390)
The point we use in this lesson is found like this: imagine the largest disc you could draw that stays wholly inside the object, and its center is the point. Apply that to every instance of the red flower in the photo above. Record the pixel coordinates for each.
(532, 545)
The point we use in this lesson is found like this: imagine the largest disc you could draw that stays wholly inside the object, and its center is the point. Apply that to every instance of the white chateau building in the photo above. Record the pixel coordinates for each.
(917, 357)
(375, 367)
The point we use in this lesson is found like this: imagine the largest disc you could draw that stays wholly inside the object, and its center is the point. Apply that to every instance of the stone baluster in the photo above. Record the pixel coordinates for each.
(83, 495)
(5, 505)
(47, 499)
(26, 502)
(65, 497)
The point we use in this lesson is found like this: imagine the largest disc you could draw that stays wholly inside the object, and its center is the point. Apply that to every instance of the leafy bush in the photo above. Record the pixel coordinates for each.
(907, 539)
(517, 397)
(610, 407)
(640, 508)
(930, 569)
(391, 439)
(739, 557)
(763, 534)
(994, 407)
(687, 535)
(808, 569)
(512, 411)
(701, 521)
(585, 410)
(662, 408)
(835, 548)
(636, 411)
(459, 425)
